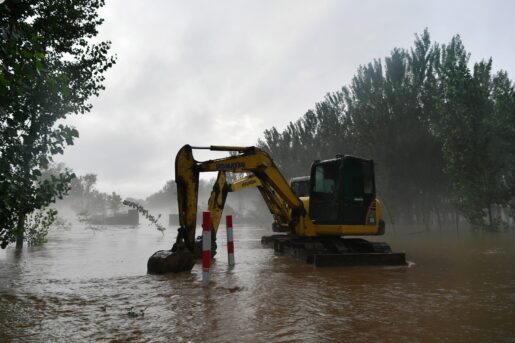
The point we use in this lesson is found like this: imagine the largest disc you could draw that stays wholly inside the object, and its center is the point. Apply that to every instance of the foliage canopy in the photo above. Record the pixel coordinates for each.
(441, 130)
(49, 68)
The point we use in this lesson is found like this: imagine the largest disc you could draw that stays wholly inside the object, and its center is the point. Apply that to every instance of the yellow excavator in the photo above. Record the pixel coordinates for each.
(313, 216)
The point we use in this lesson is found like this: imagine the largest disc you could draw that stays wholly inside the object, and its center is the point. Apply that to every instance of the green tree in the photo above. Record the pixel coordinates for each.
(391, 107)
(114, 202)
(442, 135)
(85, 199)
(476, 128)
(49, 68)
(321, 133)
(503, 123)
(164, 197)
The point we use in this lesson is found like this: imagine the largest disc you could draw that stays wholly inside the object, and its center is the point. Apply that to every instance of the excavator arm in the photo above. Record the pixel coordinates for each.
(216, 203)
(286, 207)
(218, 195)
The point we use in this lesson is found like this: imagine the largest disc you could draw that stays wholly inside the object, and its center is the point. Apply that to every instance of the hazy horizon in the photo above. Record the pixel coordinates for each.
(205, 73)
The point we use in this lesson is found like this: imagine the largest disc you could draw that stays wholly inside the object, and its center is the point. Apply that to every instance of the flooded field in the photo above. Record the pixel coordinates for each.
(86, 285)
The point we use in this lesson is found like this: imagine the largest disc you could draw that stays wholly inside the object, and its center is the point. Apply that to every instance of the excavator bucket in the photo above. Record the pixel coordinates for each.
(168, 261)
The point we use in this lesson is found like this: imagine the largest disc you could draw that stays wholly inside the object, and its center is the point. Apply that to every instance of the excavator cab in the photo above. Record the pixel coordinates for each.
(300, 186)
(342, 191)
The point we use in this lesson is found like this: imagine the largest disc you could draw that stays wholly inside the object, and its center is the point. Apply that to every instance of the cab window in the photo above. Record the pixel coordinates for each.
(300, 188)
(326, 176)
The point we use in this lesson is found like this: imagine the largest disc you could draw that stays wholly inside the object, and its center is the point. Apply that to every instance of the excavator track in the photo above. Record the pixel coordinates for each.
(334, 251)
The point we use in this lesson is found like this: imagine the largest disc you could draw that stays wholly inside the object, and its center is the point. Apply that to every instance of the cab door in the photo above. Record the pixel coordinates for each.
(324, 202)
(358, 190)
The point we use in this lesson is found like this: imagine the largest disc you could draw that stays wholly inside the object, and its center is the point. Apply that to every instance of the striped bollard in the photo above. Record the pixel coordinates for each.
(230, 240)
(206, 247)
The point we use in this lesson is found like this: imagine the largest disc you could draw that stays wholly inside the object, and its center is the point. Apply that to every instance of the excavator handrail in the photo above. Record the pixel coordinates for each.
(224, 148)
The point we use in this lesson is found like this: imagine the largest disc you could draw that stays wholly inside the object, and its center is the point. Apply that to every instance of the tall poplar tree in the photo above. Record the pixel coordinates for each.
(49, 68)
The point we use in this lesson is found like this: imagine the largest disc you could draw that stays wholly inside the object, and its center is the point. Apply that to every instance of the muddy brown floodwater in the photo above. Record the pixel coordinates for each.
(82, 284)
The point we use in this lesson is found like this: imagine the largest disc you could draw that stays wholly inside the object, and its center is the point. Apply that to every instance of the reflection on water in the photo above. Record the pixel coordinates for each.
(81, 285)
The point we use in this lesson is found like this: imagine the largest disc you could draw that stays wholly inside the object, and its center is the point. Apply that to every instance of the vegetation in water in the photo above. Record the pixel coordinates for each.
(37, 225)
(133, 312)
(146, 214)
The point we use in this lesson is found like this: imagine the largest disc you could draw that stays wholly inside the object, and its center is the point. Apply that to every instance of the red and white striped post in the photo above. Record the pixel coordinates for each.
(230, 240)
(206, 247)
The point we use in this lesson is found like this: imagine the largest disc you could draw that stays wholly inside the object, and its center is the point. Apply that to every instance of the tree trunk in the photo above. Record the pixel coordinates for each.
(439, 218)
(490, 216)
(457, 220)
(19, 232)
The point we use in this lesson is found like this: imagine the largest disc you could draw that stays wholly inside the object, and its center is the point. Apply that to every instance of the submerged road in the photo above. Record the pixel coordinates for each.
(86, 285)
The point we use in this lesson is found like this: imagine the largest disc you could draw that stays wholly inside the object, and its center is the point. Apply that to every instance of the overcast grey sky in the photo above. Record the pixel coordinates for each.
(221, 72)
